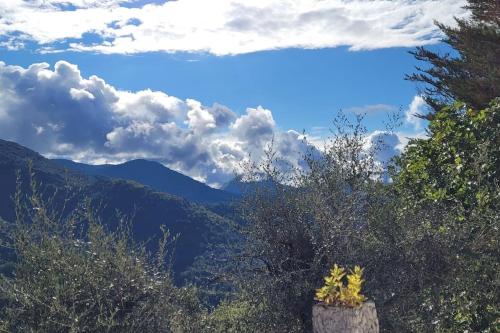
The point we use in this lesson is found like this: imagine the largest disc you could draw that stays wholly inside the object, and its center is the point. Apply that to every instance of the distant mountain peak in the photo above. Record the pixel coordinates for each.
(119, 193)
(156, 176)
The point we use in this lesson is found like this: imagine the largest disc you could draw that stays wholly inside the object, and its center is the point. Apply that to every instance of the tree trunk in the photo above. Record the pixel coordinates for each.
(335, 319)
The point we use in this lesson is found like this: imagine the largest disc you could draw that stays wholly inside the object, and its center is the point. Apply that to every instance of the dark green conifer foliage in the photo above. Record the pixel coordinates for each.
(473, 74)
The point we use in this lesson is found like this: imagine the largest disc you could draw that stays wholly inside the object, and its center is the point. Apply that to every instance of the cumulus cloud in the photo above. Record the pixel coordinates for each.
(255, 125)
(198, 118)
(383, 147)
(60, 113)
(149, 106)
(222, 27)
(80, 94)
(417, 107)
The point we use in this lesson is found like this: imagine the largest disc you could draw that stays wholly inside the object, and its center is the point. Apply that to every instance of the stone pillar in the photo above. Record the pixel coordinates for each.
(335, 319)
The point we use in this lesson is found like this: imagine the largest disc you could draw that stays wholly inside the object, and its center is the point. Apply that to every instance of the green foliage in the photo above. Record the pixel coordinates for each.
(240, 316)
(63, 190)
(334, 292)
(472, 74)
(428, 241)
(74, 276)
(453, 175)
(459, 162)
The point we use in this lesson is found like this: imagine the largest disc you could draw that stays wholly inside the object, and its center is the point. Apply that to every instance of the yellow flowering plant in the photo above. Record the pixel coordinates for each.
(334, 292)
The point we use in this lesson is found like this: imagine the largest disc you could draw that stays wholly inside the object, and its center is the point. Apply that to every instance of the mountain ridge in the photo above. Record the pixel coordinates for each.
(199, 229)
(156, 176)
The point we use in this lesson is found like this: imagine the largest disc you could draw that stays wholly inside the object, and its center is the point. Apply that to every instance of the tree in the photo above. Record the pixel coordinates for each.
(472, 75)
(458, 164)
(299, 223)
(454, 173)
(428, 241)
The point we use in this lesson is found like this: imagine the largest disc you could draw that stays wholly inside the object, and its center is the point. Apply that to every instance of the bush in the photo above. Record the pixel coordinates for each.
(74, 276)
(299, 223)
(454, 173)
(242, 316)
(428, 241)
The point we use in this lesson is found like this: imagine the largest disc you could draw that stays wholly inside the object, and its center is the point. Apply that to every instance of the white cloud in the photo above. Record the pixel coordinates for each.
(372, 108)
(149, 105)
(256, 124)
(383, 145)
(417, 107)
(198, 118)
(223, 27)
(60, 113)
(79, 94)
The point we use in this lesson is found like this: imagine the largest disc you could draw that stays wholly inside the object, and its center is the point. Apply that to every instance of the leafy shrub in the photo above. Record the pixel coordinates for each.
(74, 276)
(334, 292)
(300, 222)
(237, 316)
(429, 241)
(450, 182)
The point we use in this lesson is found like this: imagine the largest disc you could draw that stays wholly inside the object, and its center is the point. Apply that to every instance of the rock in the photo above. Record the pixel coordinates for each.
(335, 319)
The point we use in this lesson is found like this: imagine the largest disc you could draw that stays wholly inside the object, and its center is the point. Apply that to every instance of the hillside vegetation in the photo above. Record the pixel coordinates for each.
(428, 239)
(112, 200)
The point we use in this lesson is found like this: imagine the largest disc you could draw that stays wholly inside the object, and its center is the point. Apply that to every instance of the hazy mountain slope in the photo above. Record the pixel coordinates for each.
(197, 227)
(235, 186)
(238, 187)
(14, 158)
(155, 175)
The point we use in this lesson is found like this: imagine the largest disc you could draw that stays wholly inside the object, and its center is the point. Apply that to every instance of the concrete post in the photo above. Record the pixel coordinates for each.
(335, 319)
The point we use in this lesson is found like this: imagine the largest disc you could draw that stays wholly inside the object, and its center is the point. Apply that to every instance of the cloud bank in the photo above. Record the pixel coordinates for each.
(60, 113)
(221, 27)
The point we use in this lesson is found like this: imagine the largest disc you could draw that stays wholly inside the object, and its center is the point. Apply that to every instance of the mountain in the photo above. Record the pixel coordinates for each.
(156, 176)
(235, 186)
(199, 229)
(238, 187)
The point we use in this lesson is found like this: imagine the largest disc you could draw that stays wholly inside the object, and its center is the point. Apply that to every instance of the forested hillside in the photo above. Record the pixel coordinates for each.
(112, 200)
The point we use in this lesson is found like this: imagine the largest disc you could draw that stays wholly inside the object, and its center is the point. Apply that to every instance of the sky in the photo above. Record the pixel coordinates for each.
(201, 86)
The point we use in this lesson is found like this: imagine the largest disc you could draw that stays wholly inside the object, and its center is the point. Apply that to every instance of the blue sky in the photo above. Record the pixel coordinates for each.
(303, 88)
(200, 85)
